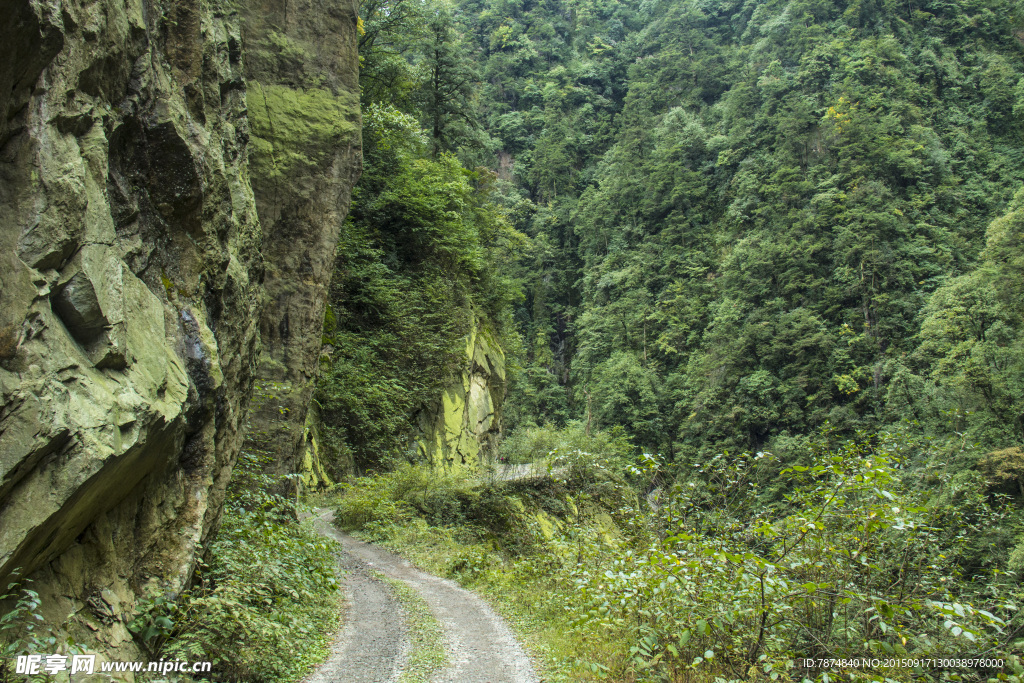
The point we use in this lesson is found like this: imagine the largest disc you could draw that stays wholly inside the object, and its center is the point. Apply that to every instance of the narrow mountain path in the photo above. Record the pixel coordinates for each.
(480, 646)
(373, 642)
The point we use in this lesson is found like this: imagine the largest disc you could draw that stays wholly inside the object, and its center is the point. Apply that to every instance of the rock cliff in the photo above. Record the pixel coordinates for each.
(132, 284)
(462, 429)
(303, 91)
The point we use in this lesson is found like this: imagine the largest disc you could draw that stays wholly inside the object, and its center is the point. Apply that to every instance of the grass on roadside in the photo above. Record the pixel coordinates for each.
(426, 639)
(717, 582)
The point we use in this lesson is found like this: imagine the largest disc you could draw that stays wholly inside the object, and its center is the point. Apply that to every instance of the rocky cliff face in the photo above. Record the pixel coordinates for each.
(131, 274)
(303, 91)
(463, 428)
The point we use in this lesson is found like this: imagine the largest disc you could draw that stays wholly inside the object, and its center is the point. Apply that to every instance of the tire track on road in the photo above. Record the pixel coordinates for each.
(481, 648)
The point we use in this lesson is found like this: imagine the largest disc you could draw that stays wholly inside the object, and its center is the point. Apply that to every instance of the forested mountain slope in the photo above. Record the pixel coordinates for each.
(750, 218)
(422, 262)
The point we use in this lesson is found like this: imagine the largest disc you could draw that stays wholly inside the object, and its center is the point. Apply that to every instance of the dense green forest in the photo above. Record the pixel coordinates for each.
(753, 219)
(716, 226)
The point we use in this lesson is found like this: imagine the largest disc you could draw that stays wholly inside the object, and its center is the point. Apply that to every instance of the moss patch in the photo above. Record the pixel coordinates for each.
(461, 430)
(297, 131)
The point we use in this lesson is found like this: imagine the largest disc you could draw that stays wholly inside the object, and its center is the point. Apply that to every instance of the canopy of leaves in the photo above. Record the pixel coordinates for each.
(749, 218)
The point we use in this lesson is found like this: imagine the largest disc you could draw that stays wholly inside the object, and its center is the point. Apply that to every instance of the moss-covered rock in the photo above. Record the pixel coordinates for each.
(132, 287)
(463, 428)
(298, 131)
(314, 474)
(302, 81)
(123, 169)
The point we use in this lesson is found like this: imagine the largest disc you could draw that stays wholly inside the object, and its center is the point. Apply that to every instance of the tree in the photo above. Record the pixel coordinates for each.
(971, 348)
(390, 30)
(447, 83)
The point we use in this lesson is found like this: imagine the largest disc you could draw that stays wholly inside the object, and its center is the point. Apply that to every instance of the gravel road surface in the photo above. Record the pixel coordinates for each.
(372, 645)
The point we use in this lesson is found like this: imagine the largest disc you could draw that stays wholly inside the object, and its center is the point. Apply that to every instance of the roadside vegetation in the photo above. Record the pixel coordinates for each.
(263, 605)
(265, 602)
(615, 566)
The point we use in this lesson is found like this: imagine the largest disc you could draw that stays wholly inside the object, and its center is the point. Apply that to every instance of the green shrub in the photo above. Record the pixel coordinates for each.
(440, 498)
(740, 570)
(23, 631)
(854, 564)
(531, 444)
(265, 601)
(368, 501)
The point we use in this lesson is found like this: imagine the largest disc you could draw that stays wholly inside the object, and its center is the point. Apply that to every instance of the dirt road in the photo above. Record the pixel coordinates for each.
(372, 645)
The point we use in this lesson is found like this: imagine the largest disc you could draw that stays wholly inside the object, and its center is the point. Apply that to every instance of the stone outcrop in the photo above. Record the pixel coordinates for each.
(303, 90)
(463, 428)
(132, 279)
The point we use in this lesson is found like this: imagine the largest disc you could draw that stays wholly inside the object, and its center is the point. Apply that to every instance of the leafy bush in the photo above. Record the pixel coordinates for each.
(742, 569)
(440, 498)
(22, 631)
(531, 444)
(855, 563)
(265, 600)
